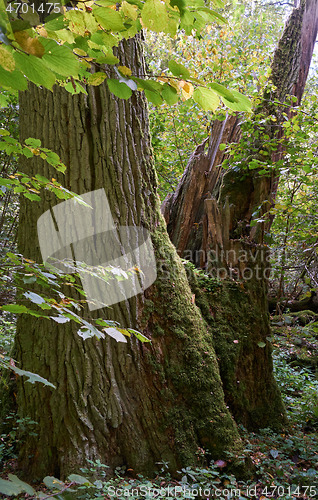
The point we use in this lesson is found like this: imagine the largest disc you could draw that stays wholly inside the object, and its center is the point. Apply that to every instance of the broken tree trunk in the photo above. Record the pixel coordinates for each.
(208, 219)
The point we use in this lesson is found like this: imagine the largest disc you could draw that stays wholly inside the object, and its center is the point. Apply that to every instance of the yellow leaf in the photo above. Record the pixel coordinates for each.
(6, 59)
(80, 52)
(96, 78)
(187, 90)
(129, 10)
(123, 331)
(30, 45)
(42, 31)
(124, 70)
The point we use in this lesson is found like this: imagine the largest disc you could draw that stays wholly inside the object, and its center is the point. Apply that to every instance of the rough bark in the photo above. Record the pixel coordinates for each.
(133, 404)
(208, 220)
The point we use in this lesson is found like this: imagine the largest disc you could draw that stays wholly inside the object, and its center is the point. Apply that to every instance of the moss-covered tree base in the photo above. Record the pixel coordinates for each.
(237, 316)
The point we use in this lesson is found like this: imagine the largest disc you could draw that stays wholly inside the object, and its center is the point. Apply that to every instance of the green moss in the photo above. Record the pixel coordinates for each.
(246, 368)
(194, 410)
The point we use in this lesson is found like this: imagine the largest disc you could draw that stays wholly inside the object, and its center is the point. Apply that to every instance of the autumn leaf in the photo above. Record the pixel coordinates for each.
(30, 45)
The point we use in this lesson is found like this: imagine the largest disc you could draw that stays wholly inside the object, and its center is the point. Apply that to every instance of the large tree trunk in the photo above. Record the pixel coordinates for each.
(208, 220)
(133, 403)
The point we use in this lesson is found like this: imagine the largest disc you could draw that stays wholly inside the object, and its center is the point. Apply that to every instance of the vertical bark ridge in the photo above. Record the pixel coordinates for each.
(133, 403)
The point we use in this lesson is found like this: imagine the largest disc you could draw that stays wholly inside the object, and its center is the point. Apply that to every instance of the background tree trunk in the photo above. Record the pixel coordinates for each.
(208, 220)
(134, 403)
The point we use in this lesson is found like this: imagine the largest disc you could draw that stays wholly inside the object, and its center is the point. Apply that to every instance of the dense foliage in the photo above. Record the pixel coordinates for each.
(189, 77)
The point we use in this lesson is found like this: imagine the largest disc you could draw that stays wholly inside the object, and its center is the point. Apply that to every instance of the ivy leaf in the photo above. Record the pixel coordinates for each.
(242, 102)
(178, 69)
(154, 16)
(118, 88)
(261, 344)
(206, 98)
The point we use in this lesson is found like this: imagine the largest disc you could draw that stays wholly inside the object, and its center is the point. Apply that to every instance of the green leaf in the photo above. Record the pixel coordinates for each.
(223, 147)
(32, 377)
(178, 70)
(218, 3)
(206, 98)
(261, 344)
(222, 91)
(242, 102)
(60, 59)
(169, 94)
(139, 335)
(129, 82)
(41, 178)
(118, 88)
(23, 486)
(35, 70)
(109, 19)
(13, 79)
(75, 478)
(35, 143)
(154, 16)
(154, 97)
(53, 483)
(15, 309)
(29, 279)
(9, 488)
(211, 15)
(32, 196)
(148, 84)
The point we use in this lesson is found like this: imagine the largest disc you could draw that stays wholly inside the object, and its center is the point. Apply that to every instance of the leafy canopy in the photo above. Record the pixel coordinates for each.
(74, 44)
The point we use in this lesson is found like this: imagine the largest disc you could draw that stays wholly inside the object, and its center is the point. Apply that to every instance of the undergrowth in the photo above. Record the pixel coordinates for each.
(284, 466)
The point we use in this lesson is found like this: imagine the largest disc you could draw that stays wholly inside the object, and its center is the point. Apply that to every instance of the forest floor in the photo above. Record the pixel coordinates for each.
(285, 465)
